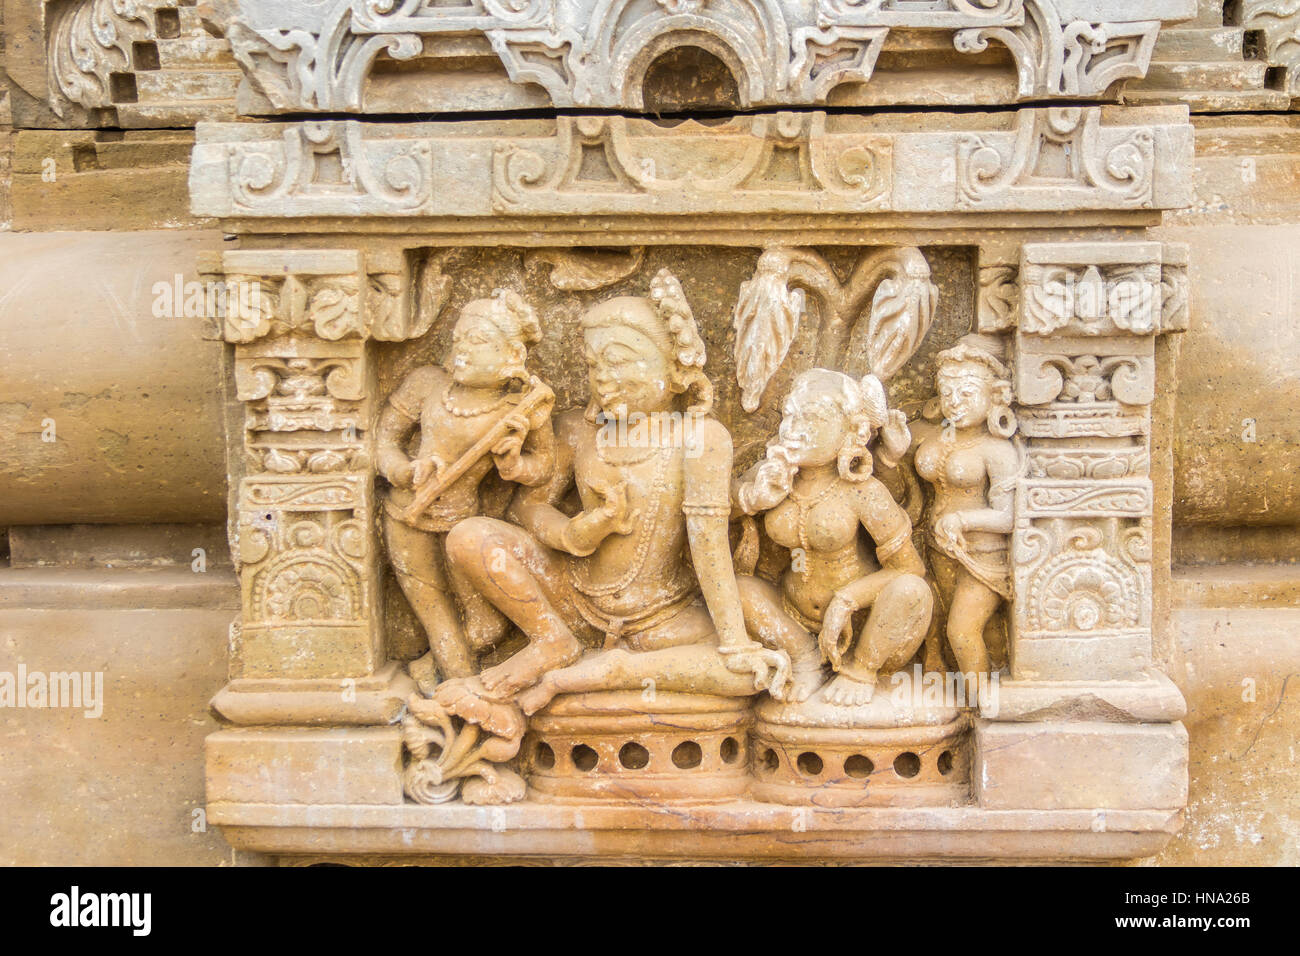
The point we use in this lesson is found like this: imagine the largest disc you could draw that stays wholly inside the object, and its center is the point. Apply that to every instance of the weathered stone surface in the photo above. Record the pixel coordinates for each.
(1238, 630)
(948, 344)
(75, 180)
(122, 788)
(195, 546)
(130, 400)
(359, 766)
(1084, 766)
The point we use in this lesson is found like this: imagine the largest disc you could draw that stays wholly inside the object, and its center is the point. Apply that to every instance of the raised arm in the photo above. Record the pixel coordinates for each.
(527, 455)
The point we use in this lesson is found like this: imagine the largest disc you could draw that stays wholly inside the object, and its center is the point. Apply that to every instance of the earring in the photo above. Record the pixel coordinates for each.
(1002, 421)
(851, 454)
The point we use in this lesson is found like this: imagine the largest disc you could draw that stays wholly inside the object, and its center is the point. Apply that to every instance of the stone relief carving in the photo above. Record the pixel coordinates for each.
(772, 304)
(919, 446)
(1062, 148)
(1279, 20)
(783, 156)
(332, 163)
(615, 609)
(814, 488)
(973, 466)
(480, 413)
(768, 162)
(89, 43)
(1067, 57)
(628, 596)
(1085, 357)
(595, 54)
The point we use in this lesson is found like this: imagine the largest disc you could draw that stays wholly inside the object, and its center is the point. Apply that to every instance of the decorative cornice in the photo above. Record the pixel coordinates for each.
(614, 165)
(594, 53)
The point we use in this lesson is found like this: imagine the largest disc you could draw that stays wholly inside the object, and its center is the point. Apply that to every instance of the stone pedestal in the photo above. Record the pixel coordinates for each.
(621, 747)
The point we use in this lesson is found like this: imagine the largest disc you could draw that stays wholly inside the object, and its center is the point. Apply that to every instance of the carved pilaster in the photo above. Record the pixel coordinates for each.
(304, 538)
(1086, 720)
(1085, 377)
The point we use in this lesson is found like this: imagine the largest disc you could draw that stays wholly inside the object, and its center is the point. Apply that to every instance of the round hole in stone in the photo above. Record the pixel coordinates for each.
(770, 761)
(688, 79)
(730, 750)
(809, 763)
(584, 758)
(907, 765)
(633, 756)
(544, 757)
(687, 755)
(859, 767)
(945, 762)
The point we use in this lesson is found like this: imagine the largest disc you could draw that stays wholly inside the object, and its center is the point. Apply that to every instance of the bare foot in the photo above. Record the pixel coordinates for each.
(527, 666)
(425, 673)
(807, 677)
(536, 697)
(844, 691)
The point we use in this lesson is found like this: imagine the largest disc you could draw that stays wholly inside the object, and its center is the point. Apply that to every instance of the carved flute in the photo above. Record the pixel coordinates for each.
(537, 394)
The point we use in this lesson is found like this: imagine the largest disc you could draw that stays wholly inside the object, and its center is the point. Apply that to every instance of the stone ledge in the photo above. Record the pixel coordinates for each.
(727, 831)
(66, 589)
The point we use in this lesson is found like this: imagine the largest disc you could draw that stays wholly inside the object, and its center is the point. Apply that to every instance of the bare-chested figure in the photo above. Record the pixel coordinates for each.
(817, 494)
(641, 566)
(477, 393)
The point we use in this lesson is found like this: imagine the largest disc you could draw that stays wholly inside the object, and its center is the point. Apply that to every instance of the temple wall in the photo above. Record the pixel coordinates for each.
(113, 529)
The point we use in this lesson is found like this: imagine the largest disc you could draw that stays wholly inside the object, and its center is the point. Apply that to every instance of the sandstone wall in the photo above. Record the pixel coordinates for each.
(93, 219)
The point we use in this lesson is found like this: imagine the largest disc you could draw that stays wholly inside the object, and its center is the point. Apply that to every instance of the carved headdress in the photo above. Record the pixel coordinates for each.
(666, 320)
(988, 353)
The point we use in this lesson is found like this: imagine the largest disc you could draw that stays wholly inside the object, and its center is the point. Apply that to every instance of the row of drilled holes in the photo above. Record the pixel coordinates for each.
(907, 764)
(687, 755)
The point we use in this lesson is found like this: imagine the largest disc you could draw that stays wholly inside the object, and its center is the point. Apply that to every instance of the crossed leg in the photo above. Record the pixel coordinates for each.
(694, 668)
(502, 572)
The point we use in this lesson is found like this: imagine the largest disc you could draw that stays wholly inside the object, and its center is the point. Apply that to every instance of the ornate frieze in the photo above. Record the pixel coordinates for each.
(1039, 160)
(680, 520)
(595, 53)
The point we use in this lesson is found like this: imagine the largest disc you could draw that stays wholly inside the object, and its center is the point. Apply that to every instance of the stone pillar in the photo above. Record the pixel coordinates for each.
(1086, 721)
(309, 645)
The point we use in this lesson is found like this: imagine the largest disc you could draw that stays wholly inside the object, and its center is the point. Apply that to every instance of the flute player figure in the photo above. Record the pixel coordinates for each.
(480, 411)
(636, 583)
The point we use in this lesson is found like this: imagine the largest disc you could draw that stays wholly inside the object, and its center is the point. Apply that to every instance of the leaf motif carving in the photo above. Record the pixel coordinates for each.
(901, 312)
(766, 319)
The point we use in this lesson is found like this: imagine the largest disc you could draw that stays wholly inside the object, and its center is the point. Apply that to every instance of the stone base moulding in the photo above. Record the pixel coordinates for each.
(720, 832)
(1056, 766)
(377, 699)
(595, 747)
